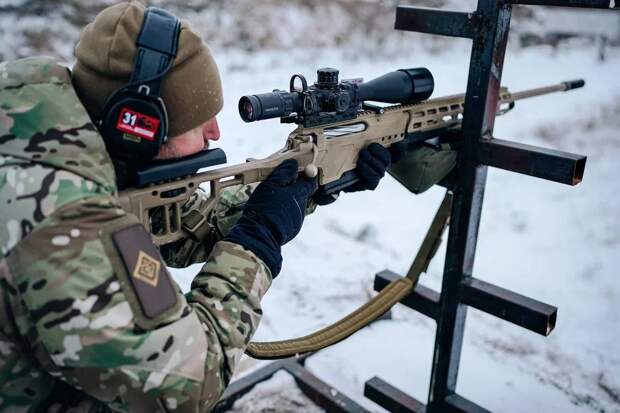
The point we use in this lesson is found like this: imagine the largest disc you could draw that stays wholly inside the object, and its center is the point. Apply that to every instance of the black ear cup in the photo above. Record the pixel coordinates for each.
(134, 122)
(135, 126)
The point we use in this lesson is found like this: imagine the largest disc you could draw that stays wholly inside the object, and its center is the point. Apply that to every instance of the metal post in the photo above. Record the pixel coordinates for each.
(483, 87)
(488, 28)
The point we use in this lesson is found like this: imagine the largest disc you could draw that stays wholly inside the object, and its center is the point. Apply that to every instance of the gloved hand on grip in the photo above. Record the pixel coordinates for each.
(372, 163)
(274, 214)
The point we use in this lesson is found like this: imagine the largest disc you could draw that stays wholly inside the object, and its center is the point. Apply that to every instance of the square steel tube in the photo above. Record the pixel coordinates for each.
(238, 388)
(320, 392)
(425, 20)
(509, 306)
(423, 299)
(591, 4)
(459, 404)
(391, 398)
(552, 165)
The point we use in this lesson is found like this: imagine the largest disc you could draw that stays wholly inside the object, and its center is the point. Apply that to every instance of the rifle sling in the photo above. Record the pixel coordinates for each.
(367, 313)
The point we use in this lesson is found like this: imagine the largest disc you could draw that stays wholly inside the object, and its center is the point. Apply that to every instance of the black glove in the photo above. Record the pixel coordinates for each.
(372, 163)
(274, 214)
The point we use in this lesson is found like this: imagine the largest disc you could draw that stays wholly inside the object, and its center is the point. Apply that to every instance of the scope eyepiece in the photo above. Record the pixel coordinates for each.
(249, 107)
(269, 105)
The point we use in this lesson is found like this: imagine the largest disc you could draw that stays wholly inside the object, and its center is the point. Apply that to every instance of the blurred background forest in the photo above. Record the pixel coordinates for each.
(356, 27)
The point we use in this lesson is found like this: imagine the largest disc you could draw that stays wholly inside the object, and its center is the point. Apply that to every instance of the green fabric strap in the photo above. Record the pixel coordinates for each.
(364, 315)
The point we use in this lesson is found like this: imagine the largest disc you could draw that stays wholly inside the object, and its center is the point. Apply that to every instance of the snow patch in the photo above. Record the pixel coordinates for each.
(280, 392)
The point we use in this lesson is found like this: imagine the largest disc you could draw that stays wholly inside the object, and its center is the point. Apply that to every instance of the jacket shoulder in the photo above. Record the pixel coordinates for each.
(42, 120)
(33, 70)
(30, 192)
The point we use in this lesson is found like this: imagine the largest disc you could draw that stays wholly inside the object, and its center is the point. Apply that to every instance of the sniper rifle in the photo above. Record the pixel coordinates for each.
(335, 121)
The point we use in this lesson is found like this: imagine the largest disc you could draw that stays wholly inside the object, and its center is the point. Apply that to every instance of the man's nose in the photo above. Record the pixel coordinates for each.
(211, 131)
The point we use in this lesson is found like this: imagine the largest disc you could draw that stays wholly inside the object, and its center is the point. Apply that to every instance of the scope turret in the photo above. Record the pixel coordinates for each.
(327, 77)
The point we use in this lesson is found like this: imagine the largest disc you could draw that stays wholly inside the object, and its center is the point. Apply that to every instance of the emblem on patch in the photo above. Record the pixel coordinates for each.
(147, 269)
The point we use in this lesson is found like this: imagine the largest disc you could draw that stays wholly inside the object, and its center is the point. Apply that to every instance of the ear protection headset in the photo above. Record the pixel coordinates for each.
(134, 118)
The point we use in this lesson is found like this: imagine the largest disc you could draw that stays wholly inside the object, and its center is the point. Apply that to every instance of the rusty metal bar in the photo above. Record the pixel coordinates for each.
(552, 165)
(318, 391)
(322, 393)
(507, 305)
(482, 94)
(446, 23)
(390, 398)
(591, 4)
(240, 387)
(458, 404)
(423, 299)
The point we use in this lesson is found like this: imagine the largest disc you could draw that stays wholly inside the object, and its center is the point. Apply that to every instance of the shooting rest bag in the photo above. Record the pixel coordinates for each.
(424, 166)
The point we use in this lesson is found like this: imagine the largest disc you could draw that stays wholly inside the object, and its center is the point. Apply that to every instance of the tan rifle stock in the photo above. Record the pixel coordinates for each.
(327, 151)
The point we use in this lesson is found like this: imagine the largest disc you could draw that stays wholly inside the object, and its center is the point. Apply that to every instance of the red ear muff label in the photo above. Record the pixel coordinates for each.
(138, 124)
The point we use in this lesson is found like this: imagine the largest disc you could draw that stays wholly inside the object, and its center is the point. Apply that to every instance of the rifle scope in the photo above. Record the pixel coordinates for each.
(329, 100)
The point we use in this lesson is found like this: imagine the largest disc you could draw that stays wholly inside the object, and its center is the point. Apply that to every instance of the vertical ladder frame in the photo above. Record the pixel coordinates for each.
(488, 27)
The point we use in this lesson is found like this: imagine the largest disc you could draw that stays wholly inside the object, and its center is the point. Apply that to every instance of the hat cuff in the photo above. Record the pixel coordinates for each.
(188, 99)
(93, 88)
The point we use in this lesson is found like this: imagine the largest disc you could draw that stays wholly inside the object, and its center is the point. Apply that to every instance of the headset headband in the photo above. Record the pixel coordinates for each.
(157, 48)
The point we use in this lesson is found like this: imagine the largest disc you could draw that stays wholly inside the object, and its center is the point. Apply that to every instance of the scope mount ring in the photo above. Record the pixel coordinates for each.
(304, 83)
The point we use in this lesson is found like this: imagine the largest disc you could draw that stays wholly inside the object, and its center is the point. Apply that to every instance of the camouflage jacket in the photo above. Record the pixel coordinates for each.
(90, 319)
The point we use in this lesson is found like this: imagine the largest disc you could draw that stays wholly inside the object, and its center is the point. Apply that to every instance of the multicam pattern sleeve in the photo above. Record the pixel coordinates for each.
(71, 316)
(223, 218)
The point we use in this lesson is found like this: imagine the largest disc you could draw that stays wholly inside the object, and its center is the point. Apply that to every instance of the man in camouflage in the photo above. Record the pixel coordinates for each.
(83, 325)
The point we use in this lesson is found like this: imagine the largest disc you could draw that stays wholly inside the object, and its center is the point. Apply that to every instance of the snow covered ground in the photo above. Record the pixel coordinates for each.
(555, 243)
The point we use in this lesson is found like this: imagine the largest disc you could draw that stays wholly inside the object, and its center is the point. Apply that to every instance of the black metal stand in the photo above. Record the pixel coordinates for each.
(488, 28)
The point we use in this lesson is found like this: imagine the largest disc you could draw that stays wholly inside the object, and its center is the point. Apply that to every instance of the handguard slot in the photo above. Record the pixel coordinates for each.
(173, 193)
(165, 219)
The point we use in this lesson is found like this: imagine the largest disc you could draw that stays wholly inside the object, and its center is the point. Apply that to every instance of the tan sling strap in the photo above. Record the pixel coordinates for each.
(367, 313)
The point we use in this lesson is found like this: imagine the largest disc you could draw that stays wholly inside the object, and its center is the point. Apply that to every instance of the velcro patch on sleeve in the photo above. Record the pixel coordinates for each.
(146, 269)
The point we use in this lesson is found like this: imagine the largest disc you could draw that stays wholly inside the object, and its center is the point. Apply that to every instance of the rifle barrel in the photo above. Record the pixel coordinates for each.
(560, 87)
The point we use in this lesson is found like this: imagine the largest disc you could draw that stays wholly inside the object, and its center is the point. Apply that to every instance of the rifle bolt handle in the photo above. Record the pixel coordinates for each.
(311, 171)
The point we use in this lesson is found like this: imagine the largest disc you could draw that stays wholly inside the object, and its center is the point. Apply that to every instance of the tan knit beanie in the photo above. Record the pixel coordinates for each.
(192, 90)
